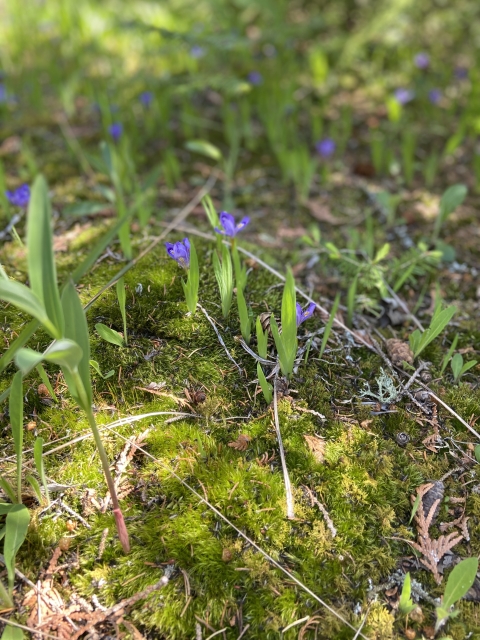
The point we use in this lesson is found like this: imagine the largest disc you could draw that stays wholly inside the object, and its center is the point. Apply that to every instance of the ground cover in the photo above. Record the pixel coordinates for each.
(298, 121)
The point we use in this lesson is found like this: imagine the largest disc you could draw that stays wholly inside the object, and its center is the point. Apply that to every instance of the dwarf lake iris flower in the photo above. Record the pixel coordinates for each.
(435, 95)
(116, 130)
(180, 252)
(403, 95)
(305, 315)
(461, 73)
(228, 223)
(20, 197)
(197, 51)
(422, 60)
(146, 98)
(326, 147)
(255, 78)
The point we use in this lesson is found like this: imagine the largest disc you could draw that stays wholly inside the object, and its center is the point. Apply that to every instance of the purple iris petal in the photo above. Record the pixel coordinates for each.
(197, 51)
(20, 197)
(228, 223)
(326, 147)
(255, 78)
(180, 252)
(403, 95)
(305, 315)
(116, 130)
(422, 60)
(435, 95)
(146, 98)
(461, 73)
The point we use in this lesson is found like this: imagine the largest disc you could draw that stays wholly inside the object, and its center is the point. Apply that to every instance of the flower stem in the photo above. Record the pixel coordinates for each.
(117, 512)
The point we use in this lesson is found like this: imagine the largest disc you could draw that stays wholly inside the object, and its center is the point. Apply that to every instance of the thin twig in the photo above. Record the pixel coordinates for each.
(220, 339)
(362, 624)
(399, 301)
(25, 628)
(316, 501)
(414, 376)
(294, 624)
(73, 513)
(286, 478)
(217, 633)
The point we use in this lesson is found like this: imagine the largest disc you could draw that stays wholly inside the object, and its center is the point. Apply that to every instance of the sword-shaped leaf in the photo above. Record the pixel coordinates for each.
(41, 262)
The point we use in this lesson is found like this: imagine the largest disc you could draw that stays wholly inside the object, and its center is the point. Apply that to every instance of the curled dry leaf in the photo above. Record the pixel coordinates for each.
(399, 352)
(316, 446)
(42, 391)
(241, 443)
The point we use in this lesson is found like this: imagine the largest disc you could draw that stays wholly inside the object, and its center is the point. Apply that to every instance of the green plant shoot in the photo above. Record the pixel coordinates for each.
(440, 319)
(459, 582)
(459, 367)
(190, 287)
(224, 275)
(245, 318)
(121, 301)
(286, 341)
(262, 339)
(406, 604)
(38, 457)
(266, 387)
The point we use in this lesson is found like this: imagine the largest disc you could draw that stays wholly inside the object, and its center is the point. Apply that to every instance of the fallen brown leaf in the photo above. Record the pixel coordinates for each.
(316, 446)
(241, 443)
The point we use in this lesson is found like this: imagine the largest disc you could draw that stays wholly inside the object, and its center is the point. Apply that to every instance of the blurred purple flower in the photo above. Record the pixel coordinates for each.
(197, 51)
(403, 95)
(461, 73)
(228, 223)
(146, 98)
(116, 130)
(422, 60)
(180, 252)
(3, 93)
(326, 147)
(434, 95)
(255, 78)
(20, 197)
(305, 315)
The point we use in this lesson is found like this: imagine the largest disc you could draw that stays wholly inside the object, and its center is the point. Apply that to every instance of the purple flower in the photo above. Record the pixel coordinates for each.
(461, 73)
(146, 98)
(326, 147)
(435, 95)
(228, 223)
(20, 197)
(197, 51)
(116, 130)
(403, 95)
(422, 60)
(3, 93)
(305, 315)
(180, 252)
(255, 78)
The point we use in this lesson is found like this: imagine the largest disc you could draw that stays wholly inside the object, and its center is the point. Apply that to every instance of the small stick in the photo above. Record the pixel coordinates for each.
(220, 339)
(73, 513)
(316, 501)
(414, 376)
(286, 478)
(405, 308)
(103, 542)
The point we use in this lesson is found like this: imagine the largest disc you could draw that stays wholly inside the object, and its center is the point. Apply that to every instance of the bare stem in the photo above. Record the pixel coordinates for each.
(286, 477)
(117, 512)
